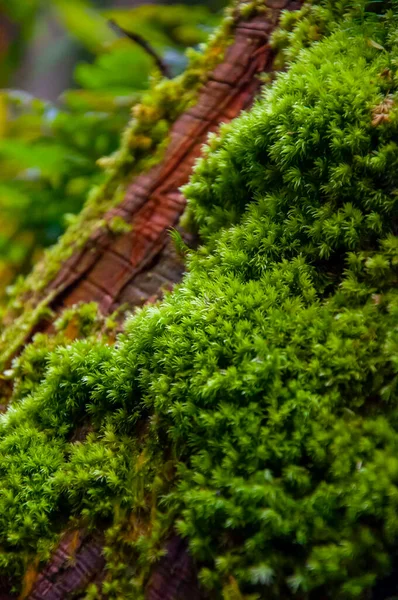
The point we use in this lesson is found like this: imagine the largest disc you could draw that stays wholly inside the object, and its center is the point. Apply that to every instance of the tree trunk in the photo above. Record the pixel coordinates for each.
(136, 267)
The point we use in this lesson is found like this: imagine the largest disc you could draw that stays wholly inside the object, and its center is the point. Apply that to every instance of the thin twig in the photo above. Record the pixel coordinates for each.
(138, 39)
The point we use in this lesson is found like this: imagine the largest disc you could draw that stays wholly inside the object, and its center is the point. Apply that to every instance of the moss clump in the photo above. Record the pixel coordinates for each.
(118, 225)
(317, 19)
(82, 321)
(256, 406)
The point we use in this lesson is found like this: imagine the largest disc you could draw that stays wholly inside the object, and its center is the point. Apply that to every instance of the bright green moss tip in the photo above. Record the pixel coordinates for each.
(256, 408)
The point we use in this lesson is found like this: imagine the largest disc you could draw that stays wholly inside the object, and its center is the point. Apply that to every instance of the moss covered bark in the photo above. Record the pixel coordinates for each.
(122, 227)
(254, 410)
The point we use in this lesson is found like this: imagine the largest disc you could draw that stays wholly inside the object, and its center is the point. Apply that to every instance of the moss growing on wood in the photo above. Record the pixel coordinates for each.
(142, 146)
(256, 406)
(82, 321)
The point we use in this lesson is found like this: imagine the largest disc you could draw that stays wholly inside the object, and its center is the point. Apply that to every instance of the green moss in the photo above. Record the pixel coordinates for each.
(256, 407)
(118, 225)
(82, 321)
(249, 9)
(316, 19)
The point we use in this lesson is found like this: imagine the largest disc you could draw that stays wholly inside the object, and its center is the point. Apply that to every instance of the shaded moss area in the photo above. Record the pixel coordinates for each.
(255, 408)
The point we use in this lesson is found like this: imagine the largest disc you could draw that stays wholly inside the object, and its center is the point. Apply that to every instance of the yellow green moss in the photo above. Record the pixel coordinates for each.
(118, 225)
(82, 321)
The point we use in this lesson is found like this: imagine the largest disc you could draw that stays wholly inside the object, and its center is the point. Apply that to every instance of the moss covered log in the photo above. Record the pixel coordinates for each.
(254, 410)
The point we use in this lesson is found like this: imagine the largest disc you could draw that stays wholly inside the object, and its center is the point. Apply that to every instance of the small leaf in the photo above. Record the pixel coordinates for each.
(374, 44)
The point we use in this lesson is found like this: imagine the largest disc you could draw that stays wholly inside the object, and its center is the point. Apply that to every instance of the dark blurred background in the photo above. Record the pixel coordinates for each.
(67, 83)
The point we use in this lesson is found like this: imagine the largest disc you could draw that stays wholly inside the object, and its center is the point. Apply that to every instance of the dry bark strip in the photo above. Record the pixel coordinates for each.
(135, 267)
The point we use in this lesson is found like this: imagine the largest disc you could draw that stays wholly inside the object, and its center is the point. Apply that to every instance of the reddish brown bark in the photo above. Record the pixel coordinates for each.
(175, 576)
(133, 268)
(70, 570)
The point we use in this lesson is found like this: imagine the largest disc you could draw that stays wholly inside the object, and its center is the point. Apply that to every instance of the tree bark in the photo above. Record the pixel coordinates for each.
(136, 267)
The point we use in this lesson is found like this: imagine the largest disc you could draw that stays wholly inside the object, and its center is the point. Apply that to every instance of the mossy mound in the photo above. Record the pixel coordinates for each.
(256, 406)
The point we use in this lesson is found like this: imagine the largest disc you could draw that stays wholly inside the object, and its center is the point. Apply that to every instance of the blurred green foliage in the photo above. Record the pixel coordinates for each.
(48, 152)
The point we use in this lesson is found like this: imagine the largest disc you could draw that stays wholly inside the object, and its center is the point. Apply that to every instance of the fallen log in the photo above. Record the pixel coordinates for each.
(134, 267)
